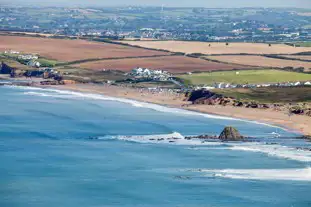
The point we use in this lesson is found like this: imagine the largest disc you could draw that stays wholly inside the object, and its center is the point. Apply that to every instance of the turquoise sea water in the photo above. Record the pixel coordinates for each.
(62, 148)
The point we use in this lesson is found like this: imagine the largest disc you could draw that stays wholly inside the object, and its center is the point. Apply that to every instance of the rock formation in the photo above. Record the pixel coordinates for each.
(230, 134)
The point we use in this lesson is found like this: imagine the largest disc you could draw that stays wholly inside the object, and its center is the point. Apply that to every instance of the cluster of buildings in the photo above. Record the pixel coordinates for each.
(11, 52)
(145, 73)
(45, 73)
(287, 84)
(197, 24)
(28, 59)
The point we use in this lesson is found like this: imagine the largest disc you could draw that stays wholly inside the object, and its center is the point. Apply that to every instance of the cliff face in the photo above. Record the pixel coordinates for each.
(5, 69)
(203, 96)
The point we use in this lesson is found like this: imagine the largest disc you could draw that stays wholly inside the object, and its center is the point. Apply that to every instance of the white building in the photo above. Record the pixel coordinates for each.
(11, 52)
(297, 84)
(34, 63)
(148, 73)
(28, 57)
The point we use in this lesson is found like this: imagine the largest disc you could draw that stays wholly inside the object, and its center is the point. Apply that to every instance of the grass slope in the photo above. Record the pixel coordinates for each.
(269, 95)
(303, 44)
(245, 76)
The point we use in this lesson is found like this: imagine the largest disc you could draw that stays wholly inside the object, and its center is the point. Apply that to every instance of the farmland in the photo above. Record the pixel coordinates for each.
(219, 48)
(300, 57)
(71, 50)
(174, 64)
(246, 76)
(260, 61)
(303, 44)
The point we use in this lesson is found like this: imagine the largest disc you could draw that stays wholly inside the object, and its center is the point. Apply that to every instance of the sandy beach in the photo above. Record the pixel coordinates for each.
(297, 123)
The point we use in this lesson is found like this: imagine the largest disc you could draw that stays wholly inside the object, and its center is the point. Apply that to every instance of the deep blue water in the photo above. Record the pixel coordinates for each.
(61, 148)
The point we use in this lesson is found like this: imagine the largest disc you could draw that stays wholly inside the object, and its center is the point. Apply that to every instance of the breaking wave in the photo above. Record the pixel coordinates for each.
(38, 94)
(303, 174)
(173, 138)
(48, 95)
(276, 151)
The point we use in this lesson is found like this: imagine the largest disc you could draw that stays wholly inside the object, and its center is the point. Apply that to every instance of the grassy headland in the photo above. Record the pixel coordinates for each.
(269, 95)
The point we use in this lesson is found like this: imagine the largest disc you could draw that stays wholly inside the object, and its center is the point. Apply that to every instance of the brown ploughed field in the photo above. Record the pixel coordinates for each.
(71, 50)
(174, 64)
(219, 48)
(260, 61)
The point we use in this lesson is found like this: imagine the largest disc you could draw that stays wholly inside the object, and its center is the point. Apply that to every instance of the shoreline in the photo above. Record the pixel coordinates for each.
(297, 123)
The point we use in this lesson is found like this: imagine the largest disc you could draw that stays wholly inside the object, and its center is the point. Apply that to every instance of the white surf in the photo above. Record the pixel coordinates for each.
(303, 174)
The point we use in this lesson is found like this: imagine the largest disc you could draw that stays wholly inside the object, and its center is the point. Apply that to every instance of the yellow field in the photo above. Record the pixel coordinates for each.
(219, 48)
(260, 61)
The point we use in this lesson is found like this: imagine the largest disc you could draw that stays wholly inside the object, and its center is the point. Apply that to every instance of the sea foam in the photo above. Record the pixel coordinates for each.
(303, 174)
(172, 138)
(276, 151)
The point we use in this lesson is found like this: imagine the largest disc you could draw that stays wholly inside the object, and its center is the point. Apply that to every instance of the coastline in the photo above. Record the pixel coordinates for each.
(295, 123)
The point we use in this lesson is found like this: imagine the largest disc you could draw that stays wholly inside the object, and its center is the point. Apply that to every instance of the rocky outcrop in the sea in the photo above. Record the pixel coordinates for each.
(230, 134)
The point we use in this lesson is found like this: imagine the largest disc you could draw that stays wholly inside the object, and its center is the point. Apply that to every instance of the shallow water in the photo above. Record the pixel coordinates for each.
(62, 148)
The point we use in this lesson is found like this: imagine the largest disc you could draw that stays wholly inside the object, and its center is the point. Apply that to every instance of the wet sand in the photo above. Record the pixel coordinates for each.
(297, 123)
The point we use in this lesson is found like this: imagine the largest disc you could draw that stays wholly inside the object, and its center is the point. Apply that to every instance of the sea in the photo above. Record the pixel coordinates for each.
(69, 149)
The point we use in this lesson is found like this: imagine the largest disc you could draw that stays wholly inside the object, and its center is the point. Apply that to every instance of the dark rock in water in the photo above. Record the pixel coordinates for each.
(271, 143)
(230, 134)
(204, 137)
(182, 177)
(304, 148)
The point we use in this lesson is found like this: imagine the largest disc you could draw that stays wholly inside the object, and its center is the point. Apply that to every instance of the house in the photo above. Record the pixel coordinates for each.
(227, 85)
(297, 84)
(137, 71)
(146, 72)
(28, 57)
(158, 72)
(219, 85)
(34, 63)
(150, 74)
(11, 52)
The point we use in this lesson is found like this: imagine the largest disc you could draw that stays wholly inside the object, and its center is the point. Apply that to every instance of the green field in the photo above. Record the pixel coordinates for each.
(47, 63)
(244, 77)
(303, 44)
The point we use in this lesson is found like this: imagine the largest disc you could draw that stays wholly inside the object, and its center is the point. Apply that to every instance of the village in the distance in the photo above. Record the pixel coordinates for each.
(162, 23)
(241, 57)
